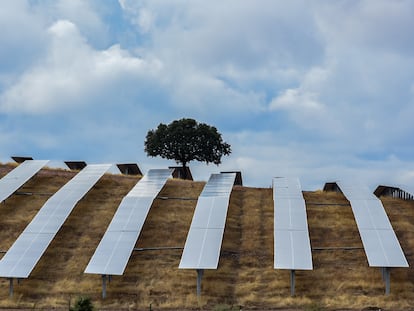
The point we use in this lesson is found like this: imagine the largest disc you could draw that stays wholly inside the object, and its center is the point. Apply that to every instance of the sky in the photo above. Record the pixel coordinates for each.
(319, 90)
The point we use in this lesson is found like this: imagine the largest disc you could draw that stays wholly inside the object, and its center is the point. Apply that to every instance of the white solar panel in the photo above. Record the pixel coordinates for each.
(370, 215)
(382, 248)
(202, 248)
(26, 251)
(116, 246)
(20, 260)
(291, 236)
(203, 244)
(131, 214)
(290, 214)
(111, 256)
(210, 212)
(292, 250)
(19, 176)
(378, 237)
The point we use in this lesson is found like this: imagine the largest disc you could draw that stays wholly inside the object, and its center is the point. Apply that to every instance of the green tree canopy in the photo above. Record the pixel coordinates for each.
(186, 140)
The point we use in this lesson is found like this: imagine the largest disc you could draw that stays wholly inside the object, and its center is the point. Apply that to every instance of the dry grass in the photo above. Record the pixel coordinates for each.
(341, 277)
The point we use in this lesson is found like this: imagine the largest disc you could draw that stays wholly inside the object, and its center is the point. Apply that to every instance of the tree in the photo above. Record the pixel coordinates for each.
(186, 140)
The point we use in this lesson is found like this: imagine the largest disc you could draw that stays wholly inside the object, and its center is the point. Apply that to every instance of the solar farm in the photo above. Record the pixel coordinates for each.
(151, 241)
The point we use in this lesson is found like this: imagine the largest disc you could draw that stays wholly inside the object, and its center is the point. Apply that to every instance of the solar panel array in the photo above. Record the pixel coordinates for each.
(19, 176)
(116, 246)
(291, 235)
(203, 244)
(378, 237)
(26, 251)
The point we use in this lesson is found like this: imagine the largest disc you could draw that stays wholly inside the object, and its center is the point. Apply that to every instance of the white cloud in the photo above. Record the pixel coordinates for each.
(82, 13)
(374, 24)
(214, 55)
(87, 15)
(294, 99)
(141, 17)
(304, 104)
(145, 20)
(71, 73)
(21, 29)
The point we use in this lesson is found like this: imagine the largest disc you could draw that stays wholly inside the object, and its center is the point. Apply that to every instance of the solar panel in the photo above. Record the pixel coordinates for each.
(20, 260)
(202, 248)
(292, 250)
(26, 251)
(19, 176)
(378, 237)
(210, 212)
(238, 181)
(116, 246)
(203, 244)
(291, 235)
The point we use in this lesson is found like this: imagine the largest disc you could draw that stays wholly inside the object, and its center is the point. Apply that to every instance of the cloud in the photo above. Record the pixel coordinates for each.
(145, 20)
(381, 25)
(294, 99)
(139, 16)
(83, 14)
(226, 58)
(71, 73)
(21, 28)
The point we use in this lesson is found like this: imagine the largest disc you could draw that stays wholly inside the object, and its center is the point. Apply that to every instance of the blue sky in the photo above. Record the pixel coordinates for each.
(321, 90)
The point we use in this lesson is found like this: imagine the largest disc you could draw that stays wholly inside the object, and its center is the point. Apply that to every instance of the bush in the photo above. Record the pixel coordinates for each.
(83, 304)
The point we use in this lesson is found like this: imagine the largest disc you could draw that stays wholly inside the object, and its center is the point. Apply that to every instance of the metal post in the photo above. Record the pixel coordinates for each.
(103, 286)
(11, 287)
(292, 283)
(387, 280)
(200, 273)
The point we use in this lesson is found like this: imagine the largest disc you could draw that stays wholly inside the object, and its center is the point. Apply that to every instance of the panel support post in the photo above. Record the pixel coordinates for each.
(292, 283)
(103, 286)
(11, 287)
(387, 280)
(200, 273)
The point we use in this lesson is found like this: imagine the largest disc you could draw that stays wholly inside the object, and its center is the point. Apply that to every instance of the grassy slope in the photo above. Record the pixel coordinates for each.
(340, 279)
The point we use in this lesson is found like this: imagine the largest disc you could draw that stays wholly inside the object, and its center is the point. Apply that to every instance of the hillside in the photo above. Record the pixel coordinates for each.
(341, 278)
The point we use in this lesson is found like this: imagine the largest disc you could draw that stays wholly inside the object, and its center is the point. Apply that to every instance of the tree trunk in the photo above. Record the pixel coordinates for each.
(184, 170)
